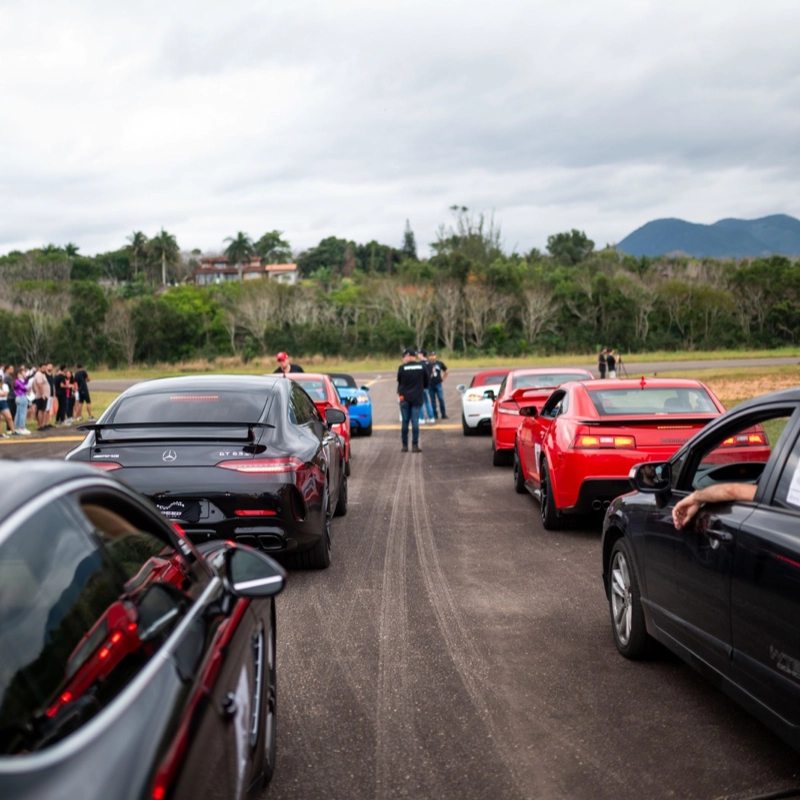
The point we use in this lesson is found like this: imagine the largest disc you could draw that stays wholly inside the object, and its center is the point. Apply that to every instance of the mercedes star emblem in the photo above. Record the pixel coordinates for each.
(169, 456)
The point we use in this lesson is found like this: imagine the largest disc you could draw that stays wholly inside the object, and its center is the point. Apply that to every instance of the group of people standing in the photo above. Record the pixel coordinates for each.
(607, 363)
(420, 380)
(42, 395)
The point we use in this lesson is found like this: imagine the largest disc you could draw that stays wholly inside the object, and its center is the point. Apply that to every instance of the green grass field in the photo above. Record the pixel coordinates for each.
(318, 363)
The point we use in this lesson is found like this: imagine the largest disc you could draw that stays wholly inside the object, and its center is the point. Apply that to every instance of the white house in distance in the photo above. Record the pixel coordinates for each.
(217, 269)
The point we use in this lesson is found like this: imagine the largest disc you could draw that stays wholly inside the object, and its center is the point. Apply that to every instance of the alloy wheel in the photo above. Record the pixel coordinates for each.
(621, 608)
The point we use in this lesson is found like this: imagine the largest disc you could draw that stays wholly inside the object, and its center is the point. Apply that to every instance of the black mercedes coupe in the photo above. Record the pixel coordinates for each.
(132, 664)
(244, 458)
(722, 590)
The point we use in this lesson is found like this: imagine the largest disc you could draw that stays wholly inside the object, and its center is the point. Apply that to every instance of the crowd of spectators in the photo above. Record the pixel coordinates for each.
(40, 395)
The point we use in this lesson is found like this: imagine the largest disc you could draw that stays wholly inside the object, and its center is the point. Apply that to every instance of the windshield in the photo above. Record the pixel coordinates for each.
(656, 400)
(223, 406)
(315, 389)
(343, 382)
(489, 380)
(546, 380)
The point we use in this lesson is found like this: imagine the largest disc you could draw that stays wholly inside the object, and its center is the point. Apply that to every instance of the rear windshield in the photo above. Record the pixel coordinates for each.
(315, 389)
(343, 382)
(488, 380)
(656, 400)
(545, 380)
(223, 406)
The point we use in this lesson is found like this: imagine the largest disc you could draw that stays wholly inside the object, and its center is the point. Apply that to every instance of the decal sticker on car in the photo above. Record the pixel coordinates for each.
(785, 663)
(793, 496)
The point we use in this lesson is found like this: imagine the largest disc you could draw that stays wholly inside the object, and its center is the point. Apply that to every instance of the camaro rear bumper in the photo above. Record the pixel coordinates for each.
(597, 493)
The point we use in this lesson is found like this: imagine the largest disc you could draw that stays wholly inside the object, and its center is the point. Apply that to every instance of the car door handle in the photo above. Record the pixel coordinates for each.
(721, 536)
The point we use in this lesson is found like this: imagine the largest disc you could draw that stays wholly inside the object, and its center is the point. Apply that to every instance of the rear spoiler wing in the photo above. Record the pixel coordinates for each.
(655, 420)
(533, 393)
(98, 428)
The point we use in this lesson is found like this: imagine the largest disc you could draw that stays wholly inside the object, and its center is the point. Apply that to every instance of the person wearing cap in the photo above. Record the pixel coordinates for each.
(438, 374)
(412, 380)
(285, 365)
(427, 408)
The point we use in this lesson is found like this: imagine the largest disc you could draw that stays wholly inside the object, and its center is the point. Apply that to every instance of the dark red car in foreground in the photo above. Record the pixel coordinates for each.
(520, 389)
(574, 452)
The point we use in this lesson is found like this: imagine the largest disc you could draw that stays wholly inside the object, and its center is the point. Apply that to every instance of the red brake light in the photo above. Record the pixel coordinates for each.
(254, 512)
(108, 466)
(116, 637)
(601, 442)
(508, 407)
(103, 653)
(743, 439)
(264, 466)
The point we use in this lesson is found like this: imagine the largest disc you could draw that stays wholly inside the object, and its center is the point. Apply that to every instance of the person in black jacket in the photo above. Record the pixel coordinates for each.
(412, 380)
(285, 365)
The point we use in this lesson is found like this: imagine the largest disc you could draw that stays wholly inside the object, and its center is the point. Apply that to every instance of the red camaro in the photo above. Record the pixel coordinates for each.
(575, 454)
(521, 388)
(322, 391)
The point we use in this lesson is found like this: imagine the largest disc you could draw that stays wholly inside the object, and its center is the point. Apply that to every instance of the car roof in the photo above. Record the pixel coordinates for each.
(486, 373)
(341, 375)
(547, 370)
(649, 383)
(37, 477)
(205, 383)
(309, 376)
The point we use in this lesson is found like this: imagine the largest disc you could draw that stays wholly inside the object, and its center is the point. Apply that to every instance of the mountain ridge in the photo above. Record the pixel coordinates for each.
(777, 234)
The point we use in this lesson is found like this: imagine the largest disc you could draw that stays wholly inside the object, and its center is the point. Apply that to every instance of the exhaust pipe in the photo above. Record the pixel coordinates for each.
(606, 503)
(596, 505)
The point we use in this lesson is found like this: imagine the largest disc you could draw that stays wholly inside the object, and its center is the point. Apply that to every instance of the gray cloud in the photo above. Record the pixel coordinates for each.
(348, 118)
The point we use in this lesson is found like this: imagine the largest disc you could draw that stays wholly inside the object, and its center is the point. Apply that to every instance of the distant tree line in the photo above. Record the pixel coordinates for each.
(138, 304)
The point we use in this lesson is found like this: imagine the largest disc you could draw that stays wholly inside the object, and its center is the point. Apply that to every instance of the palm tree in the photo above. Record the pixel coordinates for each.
(164, 246)
(239, 250)
(138, 248)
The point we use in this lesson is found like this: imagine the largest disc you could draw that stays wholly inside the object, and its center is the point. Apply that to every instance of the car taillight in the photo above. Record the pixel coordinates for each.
(475, 397)
(745, 439)
(108, 466)
(598, 442)
(362, 398)
(254, 512)
(508, 407)
(263, 466)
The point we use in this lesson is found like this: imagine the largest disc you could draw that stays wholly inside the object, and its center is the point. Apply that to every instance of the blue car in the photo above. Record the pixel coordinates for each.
(356, 400)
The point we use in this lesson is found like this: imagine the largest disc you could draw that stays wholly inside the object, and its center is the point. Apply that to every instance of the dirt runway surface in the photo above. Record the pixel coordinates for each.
(456, 649)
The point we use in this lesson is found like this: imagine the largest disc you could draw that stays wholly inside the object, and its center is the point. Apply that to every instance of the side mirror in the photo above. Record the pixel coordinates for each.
(489, 394)
(528, 411)
(252, 574)
(461, 388)
(365, 388)
(651, 477)
(334, 416)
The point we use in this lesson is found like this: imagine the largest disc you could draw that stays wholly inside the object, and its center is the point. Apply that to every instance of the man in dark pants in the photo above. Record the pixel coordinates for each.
(438, 374)
(602, 363)
(412, 380)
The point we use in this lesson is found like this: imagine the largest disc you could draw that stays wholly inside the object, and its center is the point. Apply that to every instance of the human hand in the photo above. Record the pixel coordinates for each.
(684, 511)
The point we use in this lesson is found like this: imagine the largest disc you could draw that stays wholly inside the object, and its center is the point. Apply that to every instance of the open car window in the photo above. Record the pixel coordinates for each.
(737, 454)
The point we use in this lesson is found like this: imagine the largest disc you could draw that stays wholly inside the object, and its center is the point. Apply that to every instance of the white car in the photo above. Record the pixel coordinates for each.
(477, 401)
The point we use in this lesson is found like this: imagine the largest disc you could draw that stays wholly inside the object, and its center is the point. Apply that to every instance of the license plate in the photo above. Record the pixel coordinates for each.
(186, 510)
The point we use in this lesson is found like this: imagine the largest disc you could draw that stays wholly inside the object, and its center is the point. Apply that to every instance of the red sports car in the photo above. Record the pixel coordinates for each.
(322, 391)
(522, 388)
(575, 453)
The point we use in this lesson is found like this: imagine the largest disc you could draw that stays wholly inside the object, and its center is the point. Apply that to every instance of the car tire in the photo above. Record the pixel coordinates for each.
(367, 430)
(625, 603)
(501, 458)
(551, 516)
(341, 506)
(466, 428)
(519, 478)
(271, 710)
(318, 556)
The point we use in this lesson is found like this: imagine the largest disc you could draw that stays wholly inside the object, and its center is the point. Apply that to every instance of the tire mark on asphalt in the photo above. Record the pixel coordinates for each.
(394, 714)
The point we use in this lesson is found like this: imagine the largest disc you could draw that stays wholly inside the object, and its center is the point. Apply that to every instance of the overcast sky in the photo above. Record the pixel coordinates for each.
(347, 117)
